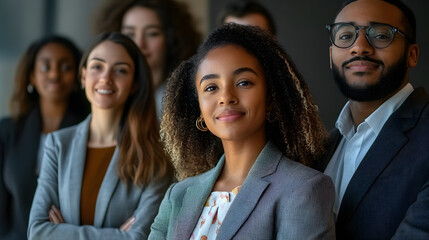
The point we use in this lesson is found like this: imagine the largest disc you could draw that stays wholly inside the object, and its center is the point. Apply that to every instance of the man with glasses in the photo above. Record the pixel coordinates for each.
(378, 157)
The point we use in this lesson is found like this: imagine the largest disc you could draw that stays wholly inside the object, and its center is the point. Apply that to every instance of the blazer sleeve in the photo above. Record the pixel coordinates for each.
(47, 194)
(160, 226)
(309, 212)
(415, 225)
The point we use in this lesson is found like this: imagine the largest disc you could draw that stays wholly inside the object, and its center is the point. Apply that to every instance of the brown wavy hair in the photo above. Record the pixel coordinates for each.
(141, 153)
(182, 36)
(22, 101)
(294, 125)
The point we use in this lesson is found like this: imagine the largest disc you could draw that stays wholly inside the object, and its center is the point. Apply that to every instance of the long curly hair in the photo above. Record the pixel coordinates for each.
(294, 125)
(22, 101)
(182, 36)
(142, 159)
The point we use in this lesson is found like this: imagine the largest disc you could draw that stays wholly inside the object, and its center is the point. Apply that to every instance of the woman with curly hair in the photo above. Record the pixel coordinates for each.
(46, 97)
(105, 177)
(163, 30)
(239, 124)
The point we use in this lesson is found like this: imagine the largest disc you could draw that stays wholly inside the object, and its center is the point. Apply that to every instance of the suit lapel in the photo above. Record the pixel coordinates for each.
(388, 143)
(107, 188)
(75, 168)
(251, 191)
(194, 201)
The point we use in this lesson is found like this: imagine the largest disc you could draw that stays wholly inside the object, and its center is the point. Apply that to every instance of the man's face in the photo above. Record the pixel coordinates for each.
(362, 72)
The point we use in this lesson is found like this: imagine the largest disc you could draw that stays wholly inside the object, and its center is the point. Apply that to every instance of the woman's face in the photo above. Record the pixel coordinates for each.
(54, 73)
(231, 91)
(144, 26)
(108, 76)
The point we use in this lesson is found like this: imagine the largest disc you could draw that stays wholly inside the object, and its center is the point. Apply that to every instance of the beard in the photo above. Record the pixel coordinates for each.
(389, 82)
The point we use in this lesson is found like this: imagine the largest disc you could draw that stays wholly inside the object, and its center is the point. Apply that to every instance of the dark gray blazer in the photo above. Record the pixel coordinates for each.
(280, 199)
(388, 196)
(19, 147)
(60, 184)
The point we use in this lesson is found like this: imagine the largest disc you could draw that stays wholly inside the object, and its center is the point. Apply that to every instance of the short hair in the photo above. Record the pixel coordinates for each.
(409, 21)
(22, 101)
(241, 8)
(294, 125)
(141, 155)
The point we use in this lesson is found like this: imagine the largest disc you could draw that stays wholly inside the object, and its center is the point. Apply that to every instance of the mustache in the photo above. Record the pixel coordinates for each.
(364, 58)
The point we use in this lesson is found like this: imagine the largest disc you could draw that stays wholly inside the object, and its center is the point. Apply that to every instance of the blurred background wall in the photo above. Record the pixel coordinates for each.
(300, 27)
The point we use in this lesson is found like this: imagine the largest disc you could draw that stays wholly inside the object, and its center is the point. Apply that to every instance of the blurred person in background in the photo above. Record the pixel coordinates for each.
(164, 31)
(46, 97)
(248, 12)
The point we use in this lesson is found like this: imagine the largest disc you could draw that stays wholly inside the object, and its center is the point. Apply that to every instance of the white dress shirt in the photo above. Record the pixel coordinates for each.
(355, 144)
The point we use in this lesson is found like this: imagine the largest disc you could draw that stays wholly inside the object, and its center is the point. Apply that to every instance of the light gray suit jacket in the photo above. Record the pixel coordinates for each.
(60, 184)
(280, 199)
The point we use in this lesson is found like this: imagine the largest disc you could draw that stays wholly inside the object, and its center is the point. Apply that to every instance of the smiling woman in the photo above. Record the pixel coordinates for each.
(232, 95)
(244, 177)
(105, 178)
(46, 98)
(108, 77)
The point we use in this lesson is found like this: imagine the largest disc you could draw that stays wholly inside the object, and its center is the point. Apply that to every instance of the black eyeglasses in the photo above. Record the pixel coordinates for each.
(344, 35)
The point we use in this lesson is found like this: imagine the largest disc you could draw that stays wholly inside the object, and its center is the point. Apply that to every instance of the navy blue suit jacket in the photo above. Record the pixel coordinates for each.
(388, 196)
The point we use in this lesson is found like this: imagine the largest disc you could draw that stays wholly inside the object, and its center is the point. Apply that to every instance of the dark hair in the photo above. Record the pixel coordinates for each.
(295, 127)
(182, 37)
(141, 155)
(242, 8)
(409, 21)
(22, 102)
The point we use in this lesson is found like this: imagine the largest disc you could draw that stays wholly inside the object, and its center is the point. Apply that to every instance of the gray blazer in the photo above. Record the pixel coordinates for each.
(280, 199)
(60, 184)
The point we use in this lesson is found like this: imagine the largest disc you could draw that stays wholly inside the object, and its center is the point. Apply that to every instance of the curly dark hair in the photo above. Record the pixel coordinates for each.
(182, 36)
(294, 125)
(141, 154)
(22, 101)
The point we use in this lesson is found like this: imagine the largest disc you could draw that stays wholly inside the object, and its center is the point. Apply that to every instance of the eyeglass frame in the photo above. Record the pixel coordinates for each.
(329, 27)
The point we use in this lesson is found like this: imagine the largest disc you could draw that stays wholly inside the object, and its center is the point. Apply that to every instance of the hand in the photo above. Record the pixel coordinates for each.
(55, 216)
(127, 224)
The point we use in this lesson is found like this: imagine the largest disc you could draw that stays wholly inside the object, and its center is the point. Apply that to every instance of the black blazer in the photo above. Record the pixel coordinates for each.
(19, 146)
(388, 195)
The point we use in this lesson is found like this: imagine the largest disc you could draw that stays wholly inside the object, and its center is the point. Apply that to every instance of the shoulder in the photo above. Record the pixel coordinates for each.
(6, 125)
(9, 128)
(296, 175)
(179, 189)
(66, 135)
(416, 104)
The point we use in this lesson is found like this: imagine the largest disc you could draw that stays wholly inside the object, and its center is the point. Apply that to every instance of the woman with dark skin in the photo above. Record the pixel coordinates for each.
(46, 97)
(164, 31)
(240, 126)
(105, 177)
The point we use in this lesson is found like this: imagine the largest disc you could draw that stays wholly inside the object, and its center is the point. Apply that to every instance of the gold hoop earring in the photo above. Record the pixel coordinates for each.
(200, 124)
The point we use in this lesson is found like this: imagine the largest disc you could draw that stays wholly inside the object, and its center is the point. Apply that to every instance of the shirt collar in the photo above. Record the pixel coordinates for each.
(377, 119)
